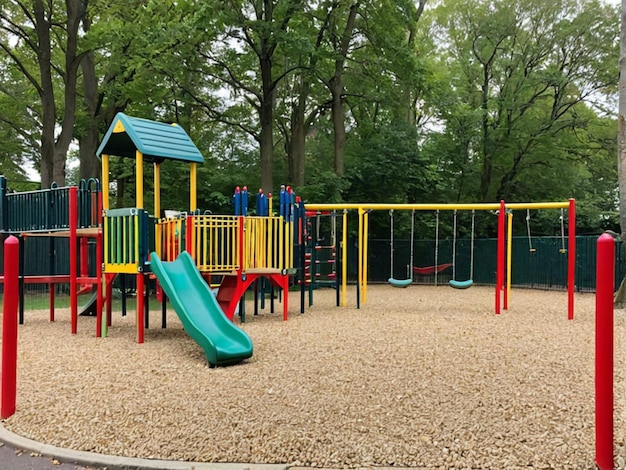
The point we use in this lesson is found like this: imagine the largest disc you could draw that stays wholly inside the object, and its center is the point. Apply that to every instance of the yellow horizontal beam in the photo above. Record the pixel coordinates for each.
(490, 206)
(537, 205)
(121, 268)
(417, 207)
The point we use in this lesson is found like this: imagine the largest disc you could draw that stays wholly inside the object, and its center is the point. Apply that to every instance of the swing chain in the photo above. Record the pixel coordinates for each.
(454, 246)
(563, 249)
(530, 242)
(436, 243)
(472, 247)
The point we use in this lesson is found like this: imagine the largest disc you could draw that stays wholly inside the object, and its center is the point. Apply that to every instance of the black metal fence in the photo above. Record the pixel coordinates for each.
(544, 268)
(48, 209)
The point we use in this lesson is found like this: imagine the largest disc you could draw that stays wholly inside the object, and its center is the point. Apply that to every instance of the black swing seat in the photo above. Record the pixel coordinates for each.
(400, 282)
(461, 284)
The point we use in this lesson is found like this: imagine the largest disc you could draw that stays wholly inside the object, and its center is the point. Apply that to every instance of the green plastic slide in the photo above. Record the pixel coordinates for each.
(222, 341)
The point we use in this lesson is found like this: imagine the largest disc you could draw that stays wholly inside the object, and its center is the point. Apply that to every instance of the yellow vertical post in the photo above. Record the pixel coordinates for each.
(365, 252)
(509, 251)
(344, 258)
(105, 207)
(291, 242)
(259, 253)
(268, 241)
(135, 222)
(281, 241)
(193, 184)
(360, 255)
(105, 182)
(140, 279)
(206, 255)
(157, 206)
(157, 190)
(139, 177)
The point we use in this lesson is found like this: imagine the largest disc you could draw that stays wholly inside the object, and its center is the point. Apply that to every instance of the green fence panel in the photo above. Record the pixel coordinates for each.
(543, 268)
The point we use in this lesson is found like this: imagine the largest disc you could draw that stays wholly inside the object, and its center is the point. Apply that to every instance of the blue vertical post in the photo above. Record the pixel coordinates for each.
(261, 204)
(244, 201)
(282, 201)
(237, 200)
(292, 202)
(301, 231)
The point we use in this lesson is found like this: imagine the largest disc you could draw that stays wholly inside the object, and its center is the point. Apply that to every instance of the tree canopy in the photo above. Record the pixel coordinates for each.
(346, 100)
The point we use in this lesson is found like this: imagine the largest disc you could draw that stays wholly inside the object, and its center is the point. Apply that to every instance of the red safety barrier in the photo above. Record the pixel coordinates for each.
(9, 326)
(605, 282)
(571, 258)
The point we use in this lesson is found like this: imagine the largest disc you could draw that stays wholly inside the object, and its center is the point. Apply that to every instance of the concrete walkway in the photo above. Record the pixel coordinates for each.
(20, 453)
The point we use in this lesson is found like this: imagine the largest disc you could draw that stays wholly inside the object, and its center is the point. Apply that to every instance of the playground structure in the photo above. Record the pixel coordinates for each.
(180, 251)
(70, 213)
(237, 249)
(504, 253)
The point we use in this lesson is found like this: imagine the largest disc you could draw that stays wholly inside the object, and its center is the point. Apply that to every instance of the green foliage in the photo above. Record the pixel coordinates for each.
(322, 187)
(388, 166)
(472, 101)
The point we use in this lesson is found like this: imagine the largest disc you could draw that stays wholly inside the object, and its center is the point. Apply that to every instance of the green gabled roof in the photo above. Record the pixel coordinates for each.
(157, 141)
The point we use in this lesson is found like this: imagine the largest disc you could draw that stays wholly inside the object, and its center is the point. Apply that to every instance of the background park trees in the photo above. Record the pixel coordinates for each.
(371, 100)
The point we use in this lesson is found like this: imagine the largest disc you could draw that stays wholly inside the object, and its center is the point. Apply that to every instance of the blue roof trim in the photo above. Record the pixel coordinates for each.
(155, 140)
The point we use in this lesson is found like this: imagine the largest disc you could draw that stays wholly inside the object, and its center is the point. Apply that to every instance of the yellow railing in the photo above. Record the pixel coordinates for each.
(219, 244)
(215, 242)
(169, 236)
(268, 243)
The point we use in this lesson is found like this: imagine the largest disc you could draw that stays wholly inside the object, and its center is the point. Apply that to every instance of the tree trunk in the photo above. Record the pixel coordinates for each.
(620, 298)
(76, 10)
(299, 122)
(487, 166)
(339, 125)
(411, 95)
(89, 140)
(48, 109)
(337, 92)
(54, 153)
(266, 117)
(298, 139)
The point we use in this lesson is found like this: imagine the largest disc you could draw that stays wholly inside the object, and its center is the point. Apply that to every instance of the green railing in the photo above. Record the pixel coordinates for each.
(126, 240)
(48, 209)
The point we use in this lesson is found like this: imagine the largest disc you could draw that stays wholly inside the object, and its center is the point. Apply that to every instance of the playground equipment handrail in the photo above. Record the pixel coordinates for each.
(125, 240)
(47, 210)
(227, 243)
(214, 242)
(268, 243)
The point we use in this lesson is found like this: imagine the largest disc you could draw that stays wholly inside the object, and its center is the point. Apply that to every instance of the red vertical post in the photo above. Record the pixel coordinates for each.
(571, 258)
(500, 255)
(189, 237)
(239, 248)
(140, 308)
(73, 212)
(84, 257)
(505, 270)
(99, 261)
(51, 287)
(9, 327)
(605, 283)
